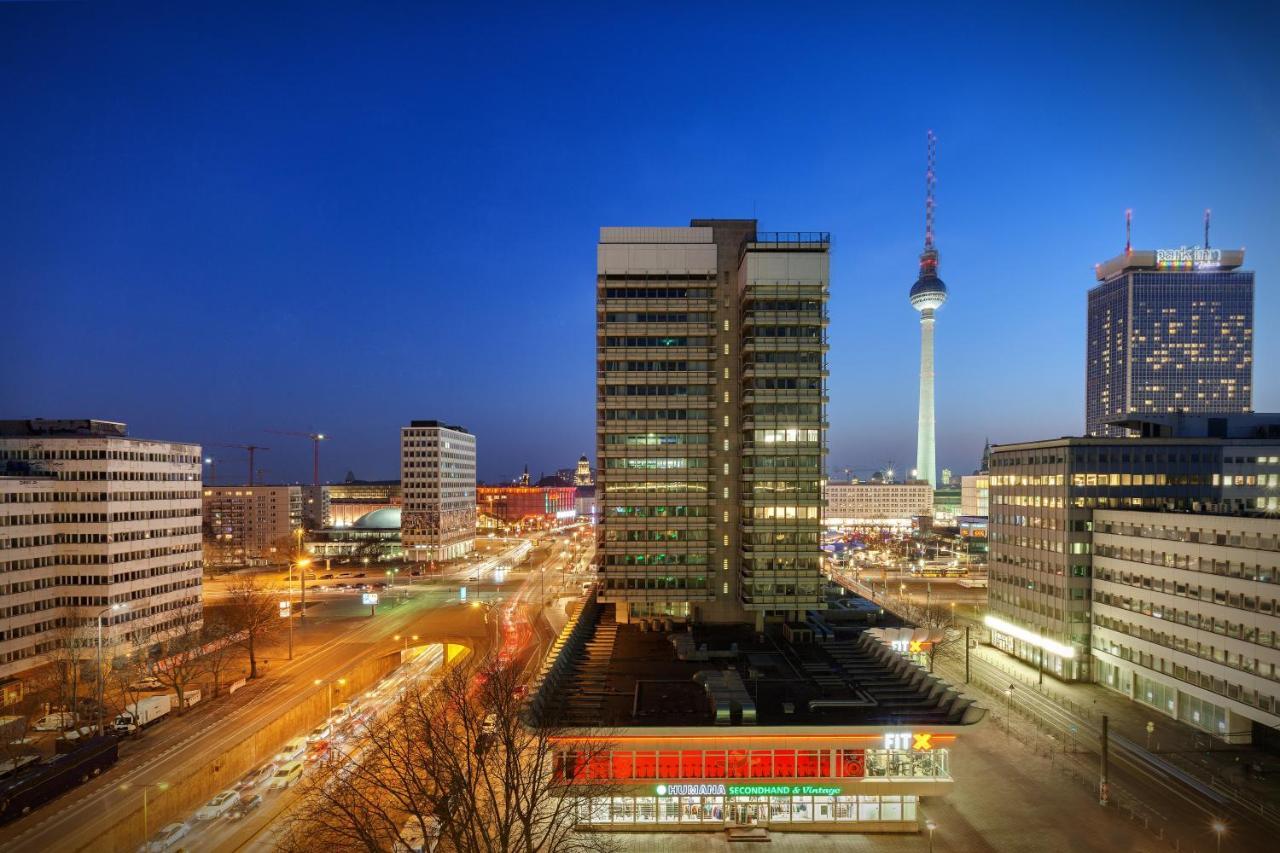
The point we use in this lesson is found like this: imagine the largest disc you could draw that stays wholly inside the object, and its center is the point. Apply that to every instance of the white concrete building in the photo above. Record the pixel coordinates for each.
(1186, 616)
(876, 504)
(92, 521)
(252, 524)
(438, 480)
(975, 494)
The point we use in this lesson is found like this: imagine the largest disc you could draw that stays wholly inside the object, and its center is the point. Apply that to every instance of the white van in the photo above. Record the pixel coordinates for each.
(291, 750)
(286, 775)
(55, 722)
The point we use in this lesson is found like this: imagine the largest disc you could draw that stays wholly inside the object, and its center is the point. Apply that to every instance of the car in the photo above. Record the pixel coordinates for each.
(319, 750)
(340, 712)
(254, 778)
(344, 574)
(319, 733)
(286, 775)
(291, 751)
(247, 804)
(360, 574)
(168, 836)
(218, 806)
(326, 577)
(149, 682)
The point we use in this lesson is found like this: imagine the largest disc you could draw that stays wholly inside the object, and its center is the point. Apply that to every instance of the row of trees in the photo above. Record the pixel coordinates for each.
(196, 649)
(454, 759)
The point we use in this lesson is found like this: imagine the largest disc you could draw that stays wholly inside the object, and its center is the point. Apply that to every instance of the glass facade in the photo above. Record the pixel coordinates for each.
(1169, 341)
(718, 810)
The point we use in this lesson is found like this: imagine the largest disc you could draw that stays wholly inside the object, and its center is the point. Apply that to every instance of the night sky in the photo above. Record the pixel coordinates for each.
(220, 220)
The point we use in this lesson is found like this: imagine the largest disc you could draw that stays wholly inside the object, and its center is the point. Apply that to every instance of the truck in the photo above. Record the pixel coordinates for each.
(190, 697)
(143, 713)
(37, 783)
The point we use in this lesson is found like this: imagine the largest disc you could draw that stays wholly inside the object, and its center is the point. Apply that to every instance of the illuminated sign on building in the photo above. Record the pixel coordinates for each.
(720, 790)
(908, 740)
(1189, 258)
(706, 790)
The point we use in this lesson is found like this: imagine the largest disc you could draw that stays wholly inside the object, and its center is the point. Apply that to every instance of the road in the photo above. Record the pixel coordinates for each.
(514, 601)
(76, 820)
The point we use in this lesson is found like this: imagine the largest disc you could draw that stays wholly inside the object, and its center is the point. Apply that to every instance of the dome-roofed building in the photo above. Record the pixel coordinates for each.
(375, 535)
(380, 519)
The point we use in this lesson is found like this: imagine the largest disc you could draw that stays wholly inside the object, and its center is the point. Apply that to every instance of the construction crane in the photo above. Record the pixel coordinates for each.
(252, 448)
(316, 438)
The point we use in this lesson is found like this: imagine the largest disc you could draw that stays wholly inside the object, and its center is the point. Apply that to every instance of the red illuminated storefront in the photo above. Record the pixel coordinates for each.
(516, 504)
(869, 780)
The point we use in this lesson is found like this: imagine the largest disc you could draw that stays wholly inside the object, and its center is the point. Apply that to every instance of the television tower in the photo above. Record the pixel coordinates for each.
(927, 295)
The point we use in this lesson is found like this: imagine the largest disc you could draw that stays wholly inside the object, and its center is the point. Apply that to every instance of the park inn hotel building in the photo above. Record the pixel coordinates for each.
(711, 366)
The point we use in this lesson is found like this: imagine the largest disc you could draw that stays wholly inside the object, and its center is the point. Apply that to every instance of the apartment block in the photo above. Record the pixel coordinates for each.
(244, 525)
(94, 523)
(1186, 616)
(877, 504)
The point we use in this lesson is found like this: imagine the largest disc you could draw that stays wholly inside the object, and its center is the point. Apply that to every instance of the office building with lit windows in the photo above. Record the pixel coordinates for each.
(711, 345)
(94, 522)
(1169, 331)
(244, 525)
(438, 488)
(1044, 497)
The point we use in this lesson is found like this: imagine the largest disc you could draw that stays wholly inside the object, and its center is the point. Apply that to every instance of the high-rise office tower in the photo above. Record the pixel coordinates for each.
(927, 296)
(711, 345)
(1169, 331)
(438, 483)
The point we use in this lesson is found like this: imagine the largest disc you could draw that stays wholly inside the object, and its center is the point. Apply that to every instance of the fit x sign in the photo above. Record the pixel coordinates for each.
(920, 742)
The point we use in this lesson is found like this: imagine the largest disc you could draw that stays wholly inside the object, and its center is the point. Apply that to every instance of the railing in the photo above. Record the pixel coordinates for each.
(788, 237)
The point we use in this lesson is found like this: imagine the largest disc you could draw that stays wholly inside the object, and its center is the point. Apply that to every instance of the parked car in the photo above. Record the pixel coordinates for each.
(254, 778)
(246, 805)
(149, 682)
(55, 722)
(287, 775)
(167, 837)
(218, 806)
(326, 577)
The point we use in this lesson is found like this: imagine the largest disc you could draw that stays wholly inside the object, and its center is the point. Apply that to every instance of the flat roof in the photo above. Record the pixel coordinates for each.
(1182, 259)
(437, 424)
(625, 676)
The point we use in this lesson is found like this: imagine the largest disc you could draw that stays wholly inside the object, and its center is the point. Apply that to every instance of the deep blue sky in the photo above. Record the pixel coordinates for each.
(219, 220)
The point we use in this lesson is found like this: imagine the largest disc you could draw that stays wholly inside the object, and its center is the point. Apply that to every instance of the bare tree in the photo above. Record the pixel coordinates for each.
(456, 759)
(940, 620)
(219, 650)
(253, 611)
(75, 650)
(181, 660)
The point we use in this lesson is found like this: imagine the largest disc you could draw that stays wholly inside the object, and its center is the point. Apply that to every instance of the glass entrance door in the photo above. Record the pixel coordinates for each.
(749, 813)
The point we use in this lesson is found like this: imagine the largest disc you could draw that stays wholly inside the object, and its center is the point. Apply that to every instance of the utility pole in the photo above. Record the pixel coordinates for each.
(966, 654)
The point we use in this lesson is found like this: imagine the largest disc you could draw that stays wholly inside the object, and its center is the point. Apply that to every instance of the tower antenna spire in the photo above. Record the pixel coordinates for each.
(930, 180)
(1128, 231)
(1207, 214)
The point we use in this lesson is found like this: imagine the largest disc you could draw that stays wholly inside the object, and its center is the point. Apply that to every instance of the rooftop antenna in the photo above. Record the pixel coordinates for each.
(1207, 214)
(1128, 231)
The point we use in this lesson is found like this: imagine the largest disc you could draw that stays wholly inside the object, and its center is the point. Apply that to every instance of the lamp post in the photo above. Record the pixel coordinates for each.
(108, 609)
(329, 683)
(406, 640)
(303, 564)
(146, 824)
(286, 611)
(1008, 714)
(931, 826)
(1219, 829)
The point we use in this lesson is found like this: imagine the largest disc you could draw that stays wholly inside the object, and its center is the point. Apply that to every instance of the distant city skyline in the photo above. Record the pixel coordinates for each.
(317, 238)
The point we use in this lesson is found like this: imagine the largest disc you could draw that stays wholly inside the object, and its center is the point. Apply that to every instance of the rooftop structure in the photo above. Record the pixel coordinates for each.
(927, 295)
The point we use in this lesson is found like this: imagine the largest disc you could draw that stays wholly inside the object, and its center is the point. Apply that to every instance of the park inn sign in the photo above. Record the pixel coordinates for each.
(1189, 258)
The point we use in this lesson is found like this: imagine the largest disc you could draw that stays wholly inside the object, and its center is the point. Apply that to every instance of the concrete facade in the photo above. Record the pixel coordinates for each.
(251, 524)
(438, 483)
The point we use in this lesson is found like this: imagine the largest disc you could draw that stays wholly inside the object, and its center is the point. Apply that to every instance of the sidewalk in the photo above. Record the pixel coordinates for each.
(1192, 750)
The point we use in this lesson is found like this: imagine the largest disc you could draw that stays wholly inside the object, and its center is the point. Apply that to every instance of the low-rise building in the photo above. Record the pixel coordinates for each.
(354, 499)
(375, 536)
(246, 525)
(94, 524)
(975, 494)
(876, 505)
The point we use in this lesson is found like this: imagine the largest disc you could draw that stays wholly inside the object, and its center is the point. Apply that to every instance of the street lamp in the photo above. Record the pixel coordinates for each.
(931, 826)
(146, 828)
(108, 609)
(1219, 829)
(406, 640)
(302, 563)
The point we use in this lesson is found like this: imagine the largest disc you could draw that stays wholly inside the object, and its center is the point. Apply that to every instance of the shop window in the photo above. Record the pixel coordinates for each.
(784, 763)
(623, 765)
(738, 767)
(598, 767)
(646, 810)
(761, 763)
(846, 808)
(713, 764)
(801, 808)
(891, 808)
(852, 763)
(668, 765)
(646, 764)
(806, 763)
(691, 764)
(668, 809)
(868, 808)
